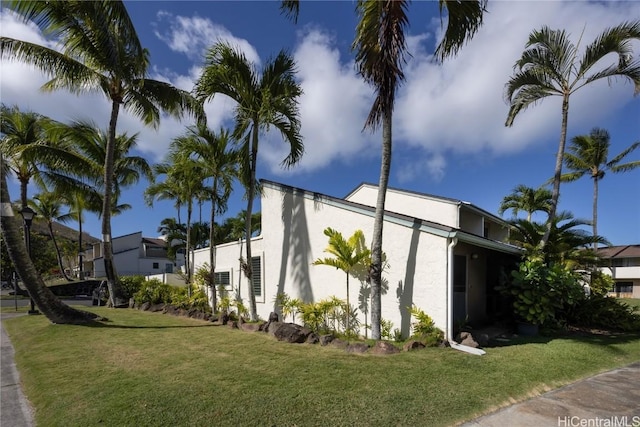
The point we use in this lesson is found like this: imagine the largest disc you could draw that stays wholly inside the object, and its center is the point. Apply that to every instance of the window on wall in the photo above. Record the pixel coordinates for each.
(156, 265)
(624, 287)
(222, 278)
(256, 276)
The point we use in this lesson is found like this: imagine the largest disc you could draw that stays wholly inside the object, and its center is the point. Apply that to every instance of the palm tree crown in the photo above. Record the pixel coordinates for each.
(527, 199)
(263, 100)
(588, 155)
(551, 66)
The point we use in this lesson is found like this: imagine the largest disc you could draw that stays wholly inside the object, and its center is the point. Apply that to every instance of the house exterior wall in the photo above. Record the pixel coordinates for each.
(418, 206)
(293, 223)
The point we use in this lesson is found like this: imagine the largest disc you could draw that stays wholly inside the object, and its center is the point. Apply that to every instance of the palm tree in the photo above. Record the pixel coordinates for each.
(219, 165)
(101, 52)
(48, 304)
(550, 66)
(48, 206)
(380, 55)
(567, 244)
(588, 154)
(25, 144)
(184, 175)
(527, 199)
(347, 254)
(268, 99)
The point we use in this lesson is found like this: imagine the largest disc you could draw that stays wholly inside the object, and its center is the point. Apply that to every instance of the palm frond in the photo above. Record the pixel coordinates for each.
(464, 19)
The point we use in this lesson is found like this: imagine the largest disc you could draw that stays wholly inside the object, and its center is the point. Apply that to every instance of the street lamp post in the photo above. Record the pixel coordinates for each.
(27, 216)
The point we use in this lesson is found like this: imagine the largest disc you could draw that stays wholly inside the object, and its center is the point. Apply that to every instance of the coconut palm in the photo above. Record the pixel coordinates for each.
(101, 52)
(526, 199)
(48, 206)
(219, 165)
(588, 155)
(264, 100)
(48, 304)
(551, 66)
(380, 55)
(175, 234)
(347, 255)
(25, 144)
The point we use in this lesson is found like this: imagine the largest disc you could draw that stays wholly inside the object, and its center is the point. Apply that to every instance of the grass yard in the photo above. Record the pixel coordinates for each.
(633, 302)
(149, 369)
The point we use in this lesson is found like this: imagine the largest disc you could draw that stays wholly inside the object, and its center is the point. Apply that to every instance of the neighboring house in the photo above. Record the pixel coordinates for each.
(623, 264)
(137, 255)
(445, 256)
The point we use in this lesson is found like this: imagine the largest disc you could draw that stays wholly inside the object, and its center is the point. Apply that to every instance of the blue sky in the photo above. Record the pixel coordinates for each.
(449, 133)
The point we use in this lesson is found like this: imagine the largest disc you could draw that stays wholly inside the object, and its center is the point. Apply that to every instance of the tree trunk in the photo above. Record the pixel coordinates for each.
(212, 247)
(348, 306)
(23, 192)
(595, 212)
(80, 248)
(188, 248)
(375, 270)
(555, 194)
(116, 295)
(58, 255)
(48, 304)
(247, 221)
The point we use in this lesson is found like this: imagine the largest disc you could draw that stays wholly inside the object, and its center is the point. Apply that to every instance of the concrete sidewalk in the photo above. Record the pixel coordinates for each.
(15, 410)
(608, 399)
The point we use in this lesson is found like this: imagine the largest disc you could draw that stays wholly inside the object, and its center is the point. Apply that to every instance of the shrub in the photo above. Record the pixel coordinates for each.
(604, 312)
(424, 328)
(131, 285)
(154, 292)
(601, 283)
(541, 292)
(385, 329)
(330, 316)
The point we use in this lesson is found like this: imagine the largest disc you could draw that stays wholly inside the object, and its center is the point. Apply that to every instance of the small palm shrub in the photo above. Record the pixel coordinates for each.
(329, 316)
(385, 329)
(424, 328)
(601, 283)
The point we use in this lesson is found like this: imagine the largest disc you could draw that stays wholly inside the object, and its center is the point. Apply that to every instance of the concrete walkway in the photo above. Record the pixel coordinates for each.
(15, 410)
(608, 399)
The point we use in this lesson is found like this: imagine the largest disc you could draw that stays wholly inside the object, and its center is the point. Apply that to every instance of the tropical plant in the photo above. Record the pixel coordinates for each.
(48, 304)
(541, 290)
(100, 52)
(25, 144)
(526, 199)
(264, 100)
(588, 155)
(347, 254)
(551, 66)
(380, 55)
(568, 245)
(219, 165)
(175, 234)
(49, 207)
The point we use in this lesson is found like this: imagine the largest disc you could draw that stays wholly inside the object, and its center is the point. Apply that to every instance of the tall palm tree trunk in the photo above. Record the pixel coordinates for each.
(595, 211)
(247, 222)
(48, 304)
(80, 248)
(188, 247)
(376, 243)
(212, 248)
(555, 194)
(23, 192)
(348, 306)
(58, 254)
(116, 296)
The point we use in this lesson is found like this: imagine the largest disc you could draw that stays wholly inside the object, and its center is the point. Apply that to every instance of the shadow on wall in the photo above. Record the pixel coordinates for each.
(404, 292)
(296, 247)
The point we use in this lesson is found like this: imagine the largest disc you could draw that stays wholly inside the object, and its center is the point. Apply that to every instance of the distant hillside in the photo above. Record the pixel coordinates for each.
(40, 226)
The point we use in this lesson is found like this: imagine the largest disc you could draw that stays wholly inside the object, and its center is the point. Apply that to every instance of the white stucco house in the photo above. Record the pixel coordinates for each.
(622, 263)
(134, 254)
(444, 255)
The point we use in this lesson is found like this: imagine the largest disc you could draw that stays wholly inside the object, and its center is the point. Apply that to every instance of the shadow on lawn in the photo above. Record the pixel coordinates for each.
(600, 338)
(106, 324)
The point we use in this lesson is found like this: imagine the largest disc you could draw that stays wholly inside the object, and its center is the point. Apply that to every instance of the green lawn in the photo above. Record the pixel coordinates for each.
(149, 369)
(633, 302)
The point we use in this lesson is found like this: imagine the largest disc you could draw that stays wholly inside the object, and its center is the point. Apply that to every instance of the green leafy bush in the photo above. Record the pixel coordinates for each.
(154, 292)
(131, 285)
(424, 328)
(541, 292)
(329, 316)
(606, 313)
(601, 283)
(385, 329)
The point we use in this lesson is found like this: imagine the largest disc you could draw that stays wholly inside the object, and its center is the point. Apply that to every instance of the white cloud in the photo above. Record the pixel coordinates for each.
(194, 35)
(459, 106)
(333, 108)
